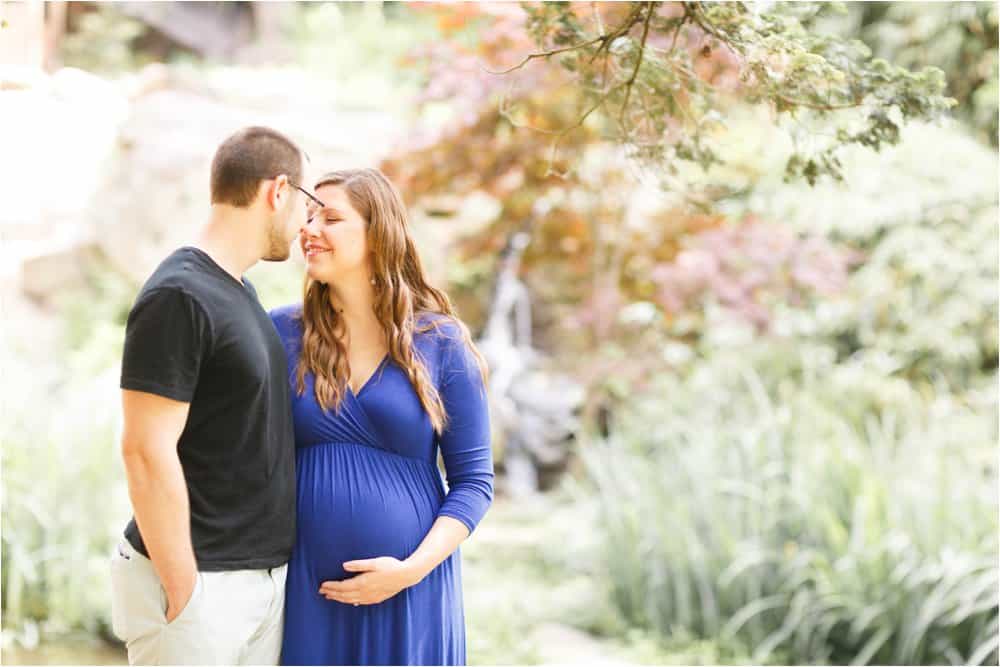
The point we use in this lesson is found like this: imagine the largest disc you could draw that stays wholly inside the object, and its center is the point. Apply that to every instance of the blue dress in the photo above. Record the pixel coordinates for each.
(368, 485)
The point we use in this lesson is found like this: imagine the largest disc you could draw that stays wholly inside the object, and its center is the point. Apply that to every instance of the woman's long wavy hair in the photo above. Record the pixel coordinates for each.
(404, 301)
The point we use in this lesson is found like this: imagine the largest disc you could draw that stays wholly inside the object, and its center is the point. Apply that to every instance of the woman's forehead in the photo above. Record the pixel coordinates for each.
(333, 196)
(332, 190)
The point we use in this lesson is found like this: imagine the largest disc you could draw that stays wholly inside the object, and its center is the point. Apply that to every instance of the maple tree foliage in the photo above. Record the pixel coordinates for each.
(553, 103)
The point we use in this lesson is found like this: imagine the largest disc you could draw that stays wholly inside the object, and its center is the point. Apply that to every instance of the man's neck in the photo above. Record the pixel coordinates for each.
(226, 241)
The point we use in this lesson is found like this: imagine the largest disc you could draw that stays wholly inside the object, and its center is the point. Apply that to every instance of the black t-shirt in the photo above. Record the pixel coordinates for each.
(197, 335)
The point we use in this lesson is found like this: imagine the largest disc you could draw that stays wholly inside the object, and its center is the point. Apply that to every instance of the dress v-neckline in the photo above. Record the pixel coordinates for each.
(368, 381)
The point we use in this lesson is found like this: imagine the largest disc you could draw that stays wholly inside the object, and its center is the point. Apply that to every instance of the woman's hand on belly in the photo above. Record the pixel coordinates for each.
(380, 579)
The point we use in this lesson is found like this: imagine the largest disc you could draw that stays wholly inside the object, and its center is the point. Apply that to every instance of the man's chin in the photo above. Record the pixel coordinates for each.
(277, 256)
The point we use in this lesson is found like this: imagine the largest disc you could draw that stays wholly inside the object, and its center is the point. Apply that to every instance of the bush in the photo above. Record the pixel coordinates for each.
(64, 502)
(821, 513)
(924, 215)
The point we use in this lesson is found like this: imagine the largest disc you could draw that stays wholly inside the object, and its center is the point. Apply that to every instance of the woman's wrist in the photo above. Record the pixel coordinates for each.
(416, 569)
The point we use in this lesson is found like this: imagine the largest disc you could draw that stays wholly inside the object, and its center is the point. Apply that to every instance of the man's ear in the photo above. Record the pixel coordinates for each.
(276, 191)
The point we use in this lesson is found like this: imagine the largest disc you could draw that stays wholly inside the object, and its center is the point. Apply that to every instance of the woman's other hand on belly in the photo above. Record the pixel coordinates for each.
(379, 579)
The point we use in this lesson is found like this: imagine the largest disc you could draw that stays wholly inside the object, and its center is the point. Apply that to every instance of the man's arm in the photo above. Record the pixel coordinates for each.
(158, 492)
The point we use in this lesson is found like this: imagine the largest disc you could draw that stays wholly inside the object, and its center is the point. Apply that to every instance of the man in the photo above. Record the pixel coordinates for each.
(208, 445)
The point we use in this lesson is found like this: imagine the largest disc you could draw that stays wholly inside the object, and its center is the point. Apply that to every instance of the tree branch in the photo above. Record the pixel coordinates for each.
(819, 107)
(677, 30)
(650, 10)
(604, 40)
(692, 10)
(623, 28)
(546, 54)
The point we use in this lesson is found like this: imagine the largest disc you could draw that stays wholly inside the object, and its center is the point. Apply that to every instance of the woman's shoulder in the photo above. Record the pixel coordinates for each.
(443, 330)
(450, 343)
(287, 319)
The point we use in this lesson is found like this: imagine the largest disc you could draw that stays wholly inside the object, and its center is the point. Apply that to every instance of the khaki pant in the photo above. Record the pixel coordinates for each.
(232, 618)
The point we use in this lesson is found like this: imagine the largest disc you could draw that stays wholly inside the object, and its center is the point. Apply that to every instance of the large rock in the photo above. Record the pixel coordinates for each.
(46, 277)
(120, 170)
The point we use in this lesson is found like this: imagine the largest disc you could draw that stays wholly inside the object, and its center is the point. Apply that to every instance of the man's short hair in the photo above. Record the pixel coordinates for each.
(248, 157)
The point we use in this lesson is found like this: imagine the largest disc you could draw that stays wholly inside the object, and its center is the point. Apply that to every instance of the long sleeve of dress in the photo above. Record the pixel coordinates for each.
(465, 441)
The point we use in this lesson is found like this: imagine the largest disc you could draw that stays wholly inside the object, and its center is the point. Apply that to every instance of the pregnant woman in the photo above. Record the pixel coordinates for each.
(384, 376)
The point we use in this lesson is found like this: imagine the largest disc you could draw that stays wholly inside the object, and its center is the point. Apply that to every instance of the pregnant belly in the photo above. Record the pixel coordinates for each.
(355, 501)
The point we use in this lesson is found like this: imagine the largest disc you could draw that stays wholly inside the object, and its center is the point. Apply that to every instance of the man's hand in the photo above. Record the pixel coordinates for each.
(381, 579)
(179, 600)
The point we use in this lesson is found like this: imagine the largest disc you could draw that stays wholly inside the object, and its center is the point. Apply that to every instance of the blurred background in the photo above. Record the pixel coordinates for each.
(734, 268)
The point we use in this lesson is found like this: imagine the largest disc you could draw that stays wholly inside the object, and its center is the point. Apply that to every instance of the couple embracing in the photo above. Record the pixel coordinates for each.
(282, 466)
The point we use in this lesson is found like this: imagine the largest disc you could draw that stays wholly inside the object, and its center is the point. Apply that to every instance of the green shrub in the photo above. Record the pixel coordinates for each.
(821, 513)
